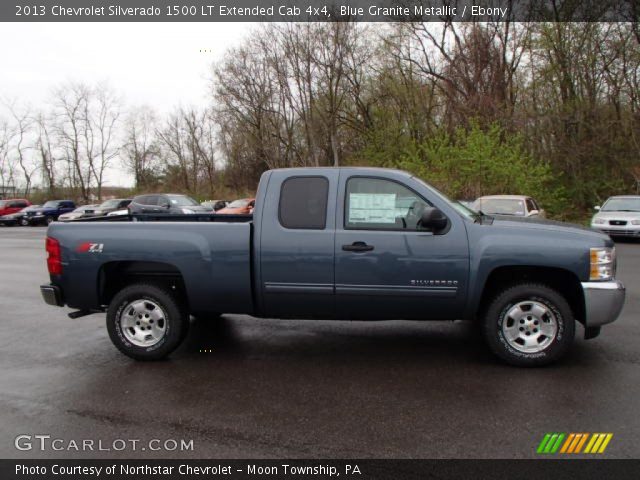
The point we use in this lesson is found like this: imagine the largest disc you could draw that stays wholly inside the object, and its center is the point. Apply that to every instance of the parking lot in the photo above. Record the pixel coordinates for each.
(248, 388)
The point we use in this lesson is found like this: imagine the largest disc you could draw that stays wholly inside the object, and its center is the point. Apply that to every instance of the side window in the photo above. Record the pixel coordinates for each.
(303, 203)
(378, 204)
(147, 200)
(161, 201)
(530, 205)
(22, 204)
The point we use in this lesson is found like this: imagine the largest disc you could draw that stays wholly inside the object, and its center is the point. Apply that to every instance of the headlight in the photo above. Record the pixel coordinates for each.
(598, 221)
(603, 263)
(187, 210)
(635, 222)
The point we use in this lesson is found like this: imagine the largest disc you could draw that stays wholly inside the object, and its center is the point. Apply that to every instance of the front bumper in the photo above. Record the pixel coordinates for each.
(603, 302)
(618, 231)
(52, 295)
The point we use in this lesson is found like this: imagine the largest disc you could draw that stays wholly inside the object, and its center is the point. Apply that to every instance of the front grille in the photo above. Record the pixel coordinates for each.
(617, 223)
(622, 232)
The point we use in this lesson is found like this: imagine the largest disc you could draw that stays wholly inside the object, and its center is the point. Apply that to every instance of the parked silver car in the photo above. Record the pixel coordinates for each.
(518, 205)
(619, 216)
(80, 212)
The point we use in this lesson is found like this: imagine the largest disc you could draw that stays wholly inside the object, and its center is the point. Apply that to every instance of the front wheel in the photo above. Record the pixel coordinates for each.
(146, 322)
(24, 222)
(529, 325)
(49, 220)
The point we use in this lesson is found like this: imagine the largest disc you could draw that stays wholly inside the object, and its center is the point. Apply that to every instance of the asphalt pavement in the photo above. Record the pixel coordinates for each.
(242, 387)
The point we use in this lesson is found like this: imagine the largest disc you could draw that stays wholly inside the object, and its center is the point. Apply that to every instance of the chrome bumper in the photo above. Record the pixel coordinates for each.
(603, 302)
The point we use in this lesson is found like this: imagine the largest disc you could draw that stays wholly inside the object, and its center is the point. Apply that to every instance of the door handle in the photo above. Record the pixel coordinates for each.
(357, 247)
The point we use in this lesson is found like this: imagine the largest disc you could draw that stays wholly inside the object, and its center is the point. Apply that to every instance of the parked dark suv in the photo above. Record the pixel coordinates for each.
(166, 203)
(50, 211)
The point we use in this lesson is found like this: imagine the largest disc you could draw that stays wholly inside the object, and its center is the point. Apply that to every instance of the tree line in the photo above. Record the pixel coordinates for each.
(546, 109)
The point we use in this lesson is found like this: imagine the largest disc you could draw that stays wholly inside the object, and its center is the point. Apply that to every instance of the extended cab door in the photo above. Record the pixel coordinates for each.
(387, 267)
(296, 250)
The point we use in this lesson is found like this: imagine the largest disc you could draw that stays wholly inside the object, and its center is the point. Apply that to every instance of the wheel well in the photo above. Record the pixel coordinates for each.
(114, 276)
(563, 281)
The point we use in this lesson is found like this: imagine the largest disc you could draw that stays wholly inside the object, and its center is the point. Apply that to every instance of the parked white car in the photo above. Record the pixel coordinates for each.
(619, 216)
(517, 205)
(118, 212)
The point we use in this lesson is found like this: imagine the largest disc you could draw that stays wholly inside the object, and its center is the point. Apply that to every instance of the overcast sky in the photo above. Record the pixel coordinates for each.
(159, 64)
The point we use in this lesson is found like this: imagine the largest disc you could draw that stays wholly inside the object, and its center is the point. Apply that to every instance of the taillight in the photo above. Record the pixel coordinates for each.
(54, 260)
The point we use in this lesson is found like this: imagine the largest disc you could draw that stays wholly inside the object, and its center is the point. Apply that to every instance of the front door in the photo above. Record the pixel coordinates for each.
(387, 266)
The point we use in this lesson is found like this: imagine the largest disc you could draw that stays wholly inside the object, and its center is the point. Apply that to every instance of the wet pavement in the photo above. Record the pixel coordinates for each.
(242, 387)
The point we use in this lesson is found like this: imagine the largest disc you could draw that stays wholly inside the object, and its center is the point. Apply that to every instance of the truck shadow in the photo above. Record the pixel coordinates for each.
(341, 341)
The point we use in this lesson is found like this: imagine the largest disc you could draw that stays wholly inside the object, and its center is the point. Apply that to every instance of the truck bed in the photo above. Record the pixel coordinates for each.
(211, 253)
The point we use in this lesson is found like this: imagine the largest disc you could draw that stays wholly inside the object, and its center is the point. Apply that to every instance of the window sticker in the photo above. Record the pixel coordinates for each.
(372, 208)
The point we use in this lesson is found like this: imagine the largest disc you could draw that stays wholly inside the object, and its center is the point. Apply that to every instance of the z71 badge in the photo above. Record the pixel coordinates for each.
(89, 247)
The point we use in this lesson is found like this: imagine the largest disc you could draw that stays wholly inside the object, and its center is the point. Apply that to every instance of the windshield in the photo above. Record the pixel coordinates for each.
(622, 205)
(182, 201)
(501, 206)
(239, 203)
(50, 204)
(461, 209)
(3, 204)
(110, 203)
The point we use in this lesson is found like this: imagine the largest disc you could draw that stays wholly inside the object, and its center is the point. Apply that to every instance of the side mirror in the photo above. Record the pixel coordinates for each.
(433, 219)
(597, 208)
(534, 213)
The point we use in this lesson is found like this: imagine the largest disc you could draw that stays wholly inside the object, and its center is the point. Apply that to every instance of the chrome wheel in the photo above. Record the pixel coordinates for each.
(529, 326)
(143, 323)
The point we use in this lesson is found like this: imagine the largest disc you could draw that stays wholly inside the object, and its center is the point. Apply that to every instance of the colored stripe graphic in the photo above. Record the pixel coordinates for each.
(543, 443)
(573, 443)
(581, 442)
(551, 443)
(598, 443)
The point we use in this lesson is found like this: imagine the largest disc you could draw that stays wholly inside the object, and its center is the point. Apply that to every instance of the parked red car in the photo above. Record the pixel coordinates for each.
(13, 205)
(237, 207)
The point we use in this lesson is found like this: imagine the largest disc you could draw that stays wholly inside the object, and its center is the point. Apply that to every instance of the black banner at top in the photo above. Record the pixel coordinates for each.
(319, 10)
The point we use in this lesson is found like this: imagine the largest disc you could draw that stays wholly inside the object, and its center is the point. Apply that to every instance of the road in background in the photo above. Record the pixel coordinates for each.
(295, 389)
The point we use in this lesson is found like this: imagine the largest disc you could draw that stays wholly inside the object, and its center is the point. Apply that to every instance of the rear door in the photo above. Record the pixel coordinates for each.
(296, 245)
(15, 206)
(387, 266)
(66, 207)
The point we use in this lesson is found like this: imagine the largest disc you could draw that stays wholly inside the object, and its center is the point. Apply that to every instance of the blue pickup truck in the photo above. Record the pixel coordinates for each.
(339, 243)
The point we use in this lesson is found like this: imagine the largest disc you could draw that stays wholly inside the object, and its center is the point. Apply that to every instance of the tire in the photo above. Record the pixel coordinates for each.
(24, 222)
(155, 333)
(49, 220)
(529, 325)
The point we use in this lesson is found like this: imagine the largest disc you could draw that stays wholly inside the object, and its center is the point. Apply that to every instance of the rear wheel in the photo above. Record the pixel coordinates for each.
(146, 322)
(529, 325)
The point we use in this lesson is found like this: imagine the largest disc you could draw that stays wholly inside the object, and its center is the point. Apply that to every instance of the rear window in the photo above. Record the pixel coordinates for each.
(303, 203)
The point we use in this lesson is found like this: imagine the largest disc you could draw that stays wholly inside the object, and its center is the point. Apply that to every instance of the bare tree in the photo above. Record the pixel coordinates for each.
(141, 149)
(22, 124)
(45, 151)
(100, 119)
(70, 103)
